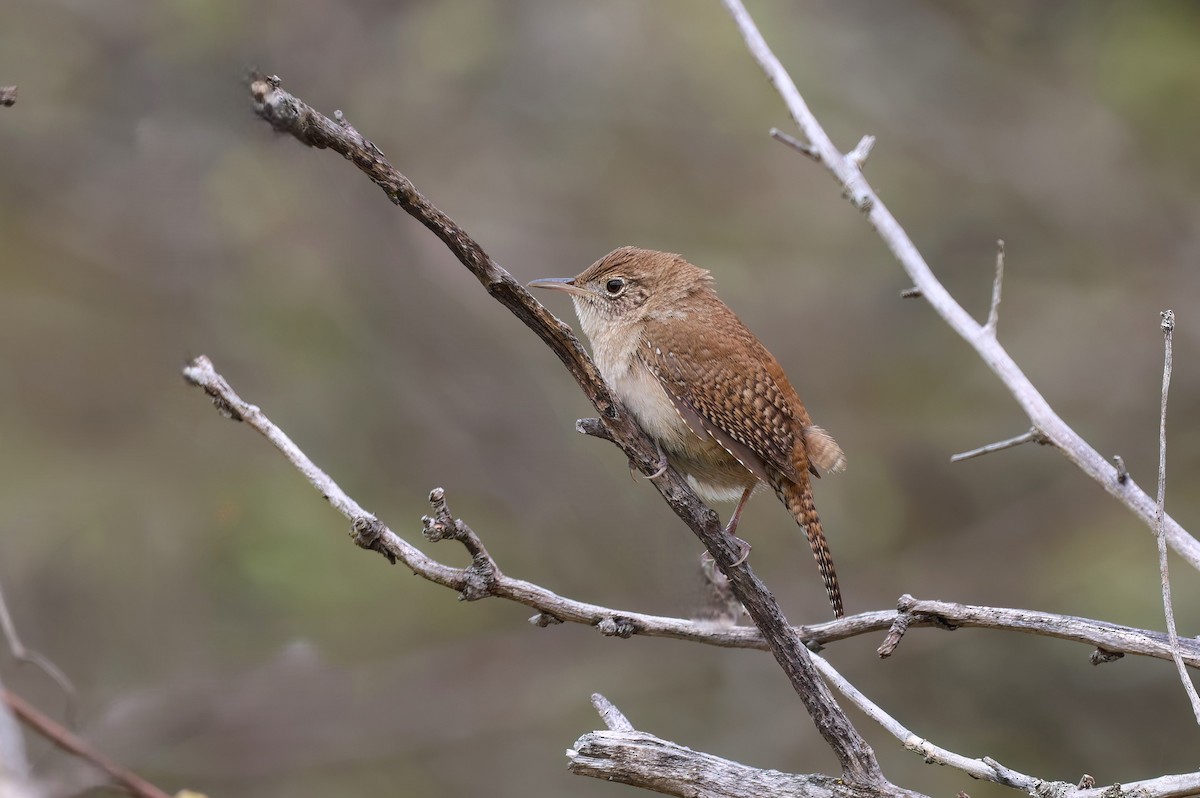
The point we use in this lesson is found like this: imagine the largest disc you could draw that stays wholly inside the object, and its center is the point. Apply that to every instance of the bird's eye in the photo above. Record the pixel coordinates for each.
(614, 286)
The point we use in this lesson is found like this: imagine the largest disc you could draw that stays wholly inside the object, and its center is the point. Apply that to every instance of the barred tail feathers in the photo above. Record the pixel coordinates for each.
(798, 499)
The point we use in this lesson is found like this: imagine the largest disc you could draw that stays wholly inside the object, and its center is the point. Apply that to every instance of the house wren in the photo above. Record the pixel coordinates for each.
(710, 395)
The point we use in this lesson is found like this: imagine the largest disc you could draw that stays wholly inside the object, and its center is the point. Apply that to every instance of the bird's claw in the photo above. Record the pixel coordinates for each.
(663, 463)
(743, 552)
(743, 549)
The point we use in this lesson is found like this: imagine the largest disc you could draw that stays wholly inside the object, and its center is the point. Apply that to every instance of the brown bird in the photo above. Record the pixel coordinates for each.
(703, 387)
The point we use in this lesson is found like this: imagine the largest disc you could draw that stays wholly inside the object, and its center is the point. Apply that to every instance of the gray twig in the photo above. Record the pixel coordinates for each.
(1032, 436)
(986, 769)
(858, 156)
(613, 718)
(22, 654)
(1168, 328)
(795, 143)
(994, 310)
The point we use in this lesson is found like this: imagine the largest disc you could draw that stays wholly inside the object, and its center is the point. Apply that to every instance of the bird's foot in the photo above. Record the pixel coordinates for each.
(742, 546)
(663, 464)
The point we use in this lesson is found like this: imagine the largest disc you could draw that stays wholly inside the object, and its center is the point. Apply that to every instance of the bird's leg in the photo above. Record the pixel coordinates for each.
(663, 464)
(731, 527)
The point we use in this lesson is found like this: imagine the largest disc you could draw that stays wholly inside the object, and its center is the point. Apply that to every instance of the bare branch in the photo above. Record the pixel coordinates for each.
(856, 188)
(1108, 636)
(643, 760)
(994, 311)
(1032, 436)
(288, 114)
(1168, 328)
(628, 756)
(371, 533)
(65, 739)
(1175, 786)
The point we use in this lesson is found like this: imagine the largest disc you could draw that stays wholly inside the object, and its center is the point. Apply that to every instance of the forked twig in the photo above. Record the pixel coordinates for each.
(860, 193)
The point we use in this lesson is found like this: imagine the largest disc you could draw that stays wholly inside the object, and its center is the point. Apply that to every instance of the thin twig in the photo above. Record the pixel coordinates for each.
(65, 739)
(1122, 471)
(614, 719)
(22, 654)
(1032, 436)
(994, 311)
(856, 188)
(934, 754)
(795, 143)
(1168, 328)
(858, 156)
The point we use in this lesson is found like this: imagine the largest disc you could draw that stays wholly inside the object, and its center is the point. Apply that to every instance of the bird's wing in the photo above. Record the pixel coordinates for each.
(724, 386)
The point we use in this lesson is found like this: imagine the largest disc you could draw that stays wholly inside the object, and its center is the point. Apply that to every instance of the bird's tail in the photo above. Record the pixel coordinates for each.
(798, 498)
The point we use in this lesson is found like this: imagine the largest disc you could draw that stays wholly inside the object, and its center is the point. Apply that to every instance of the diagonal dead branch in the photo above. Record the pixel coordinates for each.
(1168, 328)
(856, 188)
(288, 114)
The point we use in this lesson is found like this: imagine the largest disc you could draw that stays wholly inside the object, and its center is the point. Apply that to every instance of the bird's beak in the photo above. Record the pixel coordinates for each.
(566, 284)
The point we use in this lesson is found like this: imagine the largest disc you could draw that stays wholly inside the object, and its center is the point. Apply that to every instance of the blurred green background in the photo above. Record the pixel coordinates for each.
(224, 633)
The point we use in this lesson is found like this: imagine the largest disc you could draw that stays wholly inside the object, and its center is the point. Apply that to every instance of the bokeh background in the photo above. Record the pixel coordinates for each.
(227, 637)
